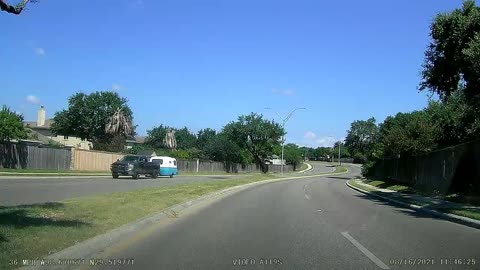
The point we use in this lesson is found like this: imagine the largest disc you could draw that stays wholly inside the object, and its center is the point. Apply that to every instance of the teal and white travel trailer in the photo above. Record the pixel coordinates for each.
(168, 165)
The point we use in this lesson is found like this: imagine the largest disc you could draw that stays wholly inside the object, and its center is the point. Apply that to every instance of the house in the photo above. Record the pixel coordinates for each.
(42, 130)
(134, 140)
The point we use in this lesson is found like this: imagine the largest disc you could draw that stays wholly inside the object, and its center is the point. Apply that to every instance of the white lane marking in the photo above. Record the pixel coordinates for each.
(365, 251)
(305, 187)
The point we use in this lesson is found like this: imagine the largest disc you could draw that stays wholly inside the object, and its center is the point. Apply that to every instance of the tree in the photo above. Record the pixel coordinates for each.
(11, 126)
(408, 133)
(204, 137)
(224, 150)
(98, 117)
(156, 136)
(185, 138)
(452, 59)
(455, 120)
(361, 138)
(256, 135)
(17, 9)
(293, 155)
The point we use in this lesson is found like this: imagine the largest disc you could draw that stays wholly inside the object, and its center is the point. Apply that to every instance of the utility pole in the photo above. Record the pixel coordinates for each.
(339, 160)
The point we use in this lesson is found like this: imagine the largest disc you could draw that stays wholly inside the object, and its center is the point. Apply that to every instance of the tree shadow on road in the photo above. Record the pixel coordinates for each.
(399, 208)
(339, 177)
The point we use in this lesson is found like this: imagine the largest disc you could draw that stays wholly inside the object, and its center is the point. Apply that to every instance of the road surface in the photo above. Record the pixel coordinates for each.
(24, 190)
(312, 223)
(15, 191)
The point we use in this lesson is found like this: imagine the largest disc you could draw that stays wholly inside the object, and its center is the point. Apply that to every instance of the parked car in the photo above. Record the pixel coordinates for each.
(168, 165)
(134, 166)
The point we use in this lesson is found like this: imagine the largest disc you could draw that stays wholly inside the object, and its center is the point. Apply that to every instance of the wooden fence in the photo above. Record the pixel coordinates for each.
(453, 169)
(88, 160)
(23, 155)
(33, 156)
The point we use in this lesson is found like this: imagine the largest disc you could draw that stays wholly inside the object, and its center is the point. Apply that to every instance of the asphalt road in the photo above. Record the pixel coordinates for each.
(16, 191)
(312, 223)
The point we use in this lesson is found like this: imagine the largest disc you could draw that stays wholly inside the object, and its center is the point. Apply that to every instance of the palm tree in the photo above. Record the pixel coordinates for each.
(119, 124)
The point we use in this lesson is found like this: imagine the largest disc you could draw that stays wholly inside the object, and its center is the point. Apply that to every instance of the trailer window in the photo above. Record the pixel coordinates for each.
(159, 161)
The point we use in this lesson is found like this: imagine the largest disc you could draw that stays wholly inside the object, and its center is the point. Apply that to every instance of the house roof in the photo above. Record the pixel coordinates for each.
(33, 124)
(146, 153)
(140, 139)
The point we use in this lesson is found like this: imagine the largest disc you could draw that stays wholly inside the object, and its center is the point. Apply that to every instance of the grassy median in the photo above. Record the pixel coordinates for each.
(34, 231)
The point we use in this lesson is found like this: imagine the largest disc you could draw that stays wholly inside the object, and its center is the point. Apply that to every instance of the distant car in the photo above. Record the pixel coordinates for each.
(168, 165)
(134, 166)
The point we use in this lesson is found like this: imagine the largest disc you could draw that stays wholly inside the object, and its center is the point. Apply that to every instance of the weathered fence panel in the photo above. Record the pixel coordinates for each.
(90, 160)
(455, 169)
(27, 156)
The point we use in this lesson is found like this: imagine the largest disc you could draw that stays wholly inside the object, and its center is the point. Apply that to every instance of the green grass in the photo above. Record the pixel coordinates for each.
(303, 167)
(470, 213)
(33, 231)
(473, 213)
(357, 185)
(340, 169)
(390, 186)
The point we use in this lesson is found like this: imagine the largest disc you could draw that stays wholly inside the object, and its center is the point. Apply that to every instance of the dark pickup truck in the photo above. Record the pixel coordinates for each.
(134, 166)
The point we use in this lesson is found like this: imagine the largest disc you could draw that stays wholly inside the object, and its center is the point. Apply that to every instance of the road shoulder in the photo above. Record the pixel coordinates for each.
(398, 199)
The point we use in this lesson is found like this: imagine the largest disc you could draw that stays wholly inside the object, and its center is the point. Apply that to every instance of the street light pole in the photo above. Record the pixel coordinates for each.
(284, 122)
(339, 160)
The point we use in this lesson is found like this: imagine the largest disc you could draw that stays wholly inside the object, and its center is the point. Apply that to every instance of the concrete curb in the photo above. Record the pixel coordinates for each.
(450, 217)
(309, 168)
(90, 247)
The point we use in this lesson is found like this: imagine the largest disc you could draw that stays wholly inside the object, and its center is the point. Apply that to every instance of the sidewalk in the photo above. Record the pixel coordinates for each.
(460, 213)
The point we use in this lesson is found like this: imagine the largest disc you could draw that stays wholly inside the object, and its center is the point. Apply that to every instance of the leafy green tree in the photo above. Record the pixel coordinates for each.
(455, 120)
(452, 59)
(224, 150)
(204, 137)
(256, 135)
(361, 138)
(11, 126)
(92, 117)
(185, 138)
(408, 133)
(17, 9)
(293, 155)
(156, 135)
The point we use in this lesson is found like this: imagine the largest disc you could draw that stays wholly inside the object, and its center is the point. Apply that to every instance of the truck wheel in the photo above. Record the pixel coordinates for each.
(171, 175)
(154, 175)
(135, 176)
(115, 176)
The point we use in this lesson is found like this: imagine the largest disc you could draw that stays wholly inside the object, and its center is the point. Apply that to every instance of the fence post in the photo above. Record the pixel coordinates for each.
(198, 164)
(72, 158)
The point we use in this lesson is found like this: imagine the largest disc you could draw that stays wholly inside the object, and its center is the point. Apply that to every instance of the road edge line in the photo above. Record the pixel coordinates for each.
(449, 217)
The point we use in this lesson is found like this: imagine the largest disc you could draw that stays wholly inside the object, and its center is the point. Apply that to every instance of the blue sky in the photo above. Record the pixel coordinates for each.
(202, 63)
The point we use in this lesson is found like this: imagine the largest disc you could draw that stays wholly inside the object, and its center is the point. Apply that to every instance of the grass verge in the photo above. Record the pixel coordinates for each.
(465, 211)
(34, 231)
(303, 167)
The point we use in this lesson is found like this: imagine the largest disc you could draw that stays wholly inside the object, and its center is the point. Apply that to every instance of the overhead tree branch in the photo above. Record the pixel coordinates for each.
(13, 9)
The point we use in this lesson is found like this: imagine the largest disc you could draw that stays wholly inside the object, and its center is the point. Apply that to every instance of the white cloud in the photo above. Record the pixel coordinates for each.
(116, 87)
(286, 92)
(327, 141)
(33, 99)
(40, 51)
(310, 135)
